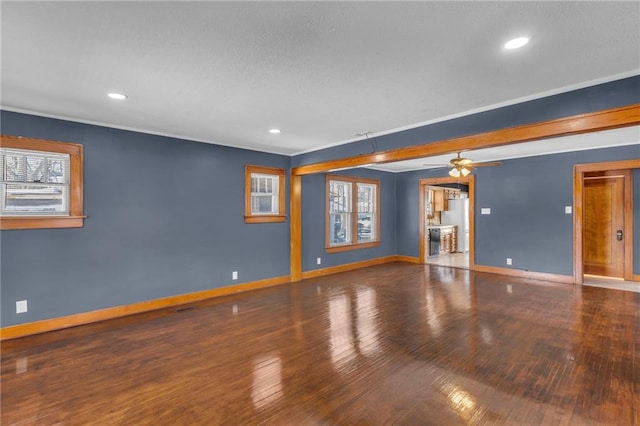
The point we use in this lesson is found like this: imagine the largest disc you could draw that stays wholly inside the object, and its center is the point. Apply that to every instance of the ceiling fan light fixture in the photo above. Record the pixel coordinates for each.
(465, 172)
(454, 173)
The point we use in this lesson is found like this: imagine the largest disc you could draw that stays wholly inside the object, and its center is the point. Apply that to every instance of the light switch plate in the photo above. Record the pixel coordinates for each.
(567, 209)
(485, 210)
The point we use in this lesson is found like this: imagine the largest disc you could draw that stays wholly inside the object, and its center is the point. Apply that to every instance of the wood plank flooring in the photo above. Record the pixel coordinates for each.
(391, 344)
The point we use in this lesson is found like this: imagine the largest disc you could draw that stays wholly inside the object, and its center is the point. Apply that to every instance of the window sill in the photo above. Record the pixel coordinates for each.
(41, 222)
(264, 218)
(348, 247)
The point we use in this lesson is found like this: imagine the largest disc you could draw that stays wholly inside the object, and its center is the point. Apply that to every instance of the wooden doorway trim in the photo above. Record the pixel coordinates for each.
(578, 226)
(468, 180)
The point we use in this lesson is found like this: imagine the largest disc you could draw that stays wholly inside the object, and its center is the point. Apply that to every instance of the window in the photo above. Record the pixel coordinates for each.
(41, 184)
(349, 229)
(264, 194)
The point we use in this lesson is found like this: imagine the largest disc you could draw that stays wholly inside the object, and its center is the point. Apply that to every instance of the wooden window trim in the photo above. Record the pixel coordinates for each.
(75, 219)
(355, 245)
(249, 217)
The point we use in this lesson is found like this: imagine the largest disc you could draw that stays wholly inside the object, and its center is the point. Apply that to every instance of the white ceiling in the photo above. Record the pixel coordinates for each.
(226, 72)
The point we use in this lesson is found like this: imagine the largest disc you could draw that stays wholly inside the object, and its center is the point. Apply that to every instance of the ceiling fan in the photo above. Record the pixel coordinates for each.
(461, 166)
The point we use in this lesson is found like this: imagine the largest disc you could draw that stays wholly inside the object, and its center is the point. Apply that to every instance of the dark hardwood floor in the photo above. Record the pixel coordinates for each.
(391, 344)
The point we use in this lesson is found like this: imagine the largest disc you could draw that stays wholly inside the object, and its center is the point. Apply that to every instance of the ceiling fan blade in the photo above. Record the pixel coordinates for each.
(437, 165)
(487, 164)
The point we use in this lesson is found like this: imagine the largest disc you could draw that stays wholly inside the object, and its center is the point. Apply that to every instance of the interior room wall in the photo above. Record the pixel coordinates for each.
(636, 221)
(165, 217)
(527, 198)
(313, 221)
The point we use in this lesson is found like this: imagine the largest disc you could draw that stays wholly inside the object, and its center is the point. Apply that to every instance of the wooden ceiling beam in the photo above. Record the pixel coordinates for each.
(583, 123)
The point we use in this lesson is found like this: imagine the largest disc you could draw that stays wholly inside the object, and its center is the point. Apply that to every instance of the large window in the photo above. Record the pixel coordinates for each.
(41, 184)
(353, 215)
(264, 194)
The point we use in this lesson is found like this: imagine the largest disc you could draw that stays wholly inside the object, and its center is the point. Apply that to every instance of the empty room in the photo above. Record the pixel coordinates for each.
(320, 213)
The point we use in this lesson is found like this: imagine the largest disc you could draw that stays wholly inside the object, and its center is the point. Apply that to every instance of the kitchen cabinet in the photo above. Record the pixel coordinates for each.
(447, 239)
(439, 200)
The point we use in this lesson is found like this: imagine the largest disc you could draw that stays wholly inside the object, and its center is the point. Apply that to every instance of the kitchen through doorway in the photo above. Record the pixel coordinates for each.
(446, 210)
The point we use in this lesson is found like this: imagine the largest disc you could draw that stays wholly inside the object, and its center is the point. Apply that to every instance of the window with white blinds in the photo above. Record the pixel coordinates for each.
(264, 194)
(34, 183)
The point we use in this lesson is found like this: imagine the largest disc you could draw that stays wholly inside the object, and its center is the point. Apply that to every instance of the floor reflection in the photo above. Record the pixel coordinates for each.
(353, 325)
(267, 381)
(341, 331)
(367, 317)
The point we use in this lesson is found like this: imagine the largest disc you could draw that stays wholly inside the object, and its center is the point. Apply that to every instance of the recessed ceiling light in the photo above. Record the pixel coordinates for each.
(274, 131)
(516, 43)
(118, 96)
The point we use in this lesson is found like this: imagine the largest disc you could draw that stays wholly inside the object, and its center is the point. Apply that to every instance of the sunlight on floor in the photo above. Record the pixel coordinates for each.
(455, 260)
(612, 283)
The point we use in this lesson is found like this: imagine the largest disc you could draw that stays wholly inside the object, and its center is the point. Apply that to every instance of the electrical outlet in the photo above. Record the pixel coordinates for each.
(318, 261)
(485, 210)
(21, 306)
(509, 261)
(234, 275)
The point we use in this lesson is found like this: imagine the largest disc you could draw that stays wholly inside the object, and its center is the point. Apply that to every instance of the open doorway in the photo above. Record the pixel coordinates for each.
(603, 221)
(447, 221)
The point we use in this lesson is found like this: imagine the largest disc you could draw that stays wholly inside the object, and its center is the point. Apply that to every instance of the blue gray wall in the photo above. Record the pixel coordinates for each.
(636, 222)
(313, 221)
(595, 98)
(165, 218)
(527, 197)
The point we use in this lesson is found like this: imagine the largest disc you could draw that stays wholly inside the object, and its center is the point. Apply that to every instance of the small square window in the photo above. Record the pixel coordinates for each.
(264, 194)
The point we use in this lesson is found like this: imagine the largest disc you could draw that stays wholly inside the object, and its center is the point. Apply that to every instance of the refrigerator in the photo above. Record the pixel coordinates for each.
(457, 214)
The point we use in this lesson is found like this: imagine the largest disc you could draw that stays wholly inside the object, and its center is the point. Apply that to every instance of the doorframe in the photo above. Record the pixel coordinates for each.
(578, 217)
(468, 180)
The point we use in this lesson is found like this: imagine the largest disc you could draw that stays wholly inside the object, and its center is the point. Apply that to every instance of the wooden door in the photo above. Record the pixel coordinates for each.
(603, 223)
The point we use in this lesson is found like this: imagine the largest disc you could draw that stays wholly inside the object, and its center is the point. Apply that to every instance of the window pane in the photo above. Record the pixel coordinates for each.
(14, 168)
(366, 212)
(340, 228)
(36, 169)
(262, 204)
(339, 197)
(56, 172)
(35, 198)
(366, 197)
(366, 227)
(264, 194)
